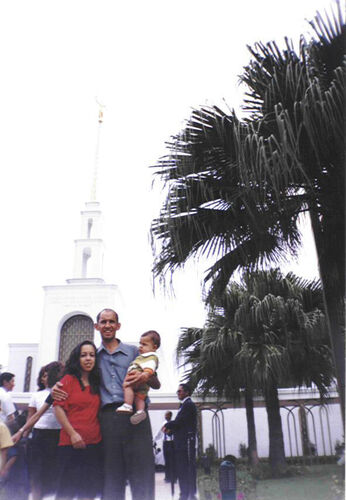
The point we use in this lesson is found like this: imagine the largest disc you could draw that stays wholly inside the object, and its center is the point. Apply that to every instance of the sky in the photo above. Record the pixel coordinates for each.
(149, 63)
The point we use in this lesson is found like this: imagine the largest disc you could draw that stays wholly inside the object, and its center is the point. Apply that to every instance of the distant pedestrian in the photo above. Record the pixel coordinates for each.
(168, 448)
(5, 443)
(7, 407)
(45, 436)
(184, 428)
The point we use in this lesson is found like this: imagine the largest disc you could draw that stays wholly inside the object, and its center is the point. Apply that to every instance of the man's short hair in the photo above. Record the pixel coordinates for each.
(168, 414)
(186, 388)
(155, 337)
(6, 377)
(107, 310)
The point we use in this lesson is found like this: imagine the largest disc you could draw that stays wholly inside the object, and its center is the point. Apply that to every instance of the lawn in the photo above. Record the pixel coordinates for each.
(317, 482)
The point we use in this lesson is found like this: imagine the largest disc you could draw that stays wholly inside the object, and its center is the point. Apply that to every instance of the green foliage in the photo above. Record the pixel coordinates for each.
(326, 482)
(262, 331)
(237, 189)
(211, 453)
(208, 485)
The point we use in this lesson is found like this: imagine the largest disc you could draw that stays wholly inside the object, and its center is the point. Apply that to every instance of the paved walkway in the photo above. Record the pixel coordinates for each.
(162, 489)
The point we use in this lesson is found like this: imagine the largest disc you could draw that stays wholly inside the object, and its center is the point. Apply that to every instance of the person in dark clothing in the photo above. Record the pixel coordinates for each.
(184, 428)
(168, 449)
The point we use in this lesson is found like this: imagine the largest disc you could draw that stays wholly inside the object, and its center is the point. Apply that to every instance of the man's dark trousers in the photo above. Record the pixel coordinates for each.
(185, 463)
(128, 454)
(168, 454)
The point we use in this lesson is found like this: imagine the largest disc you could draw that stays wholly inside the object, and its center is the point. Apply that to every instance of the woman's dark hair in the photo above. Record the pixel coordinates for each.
(73, 368)
(40, 384)
(54, 371)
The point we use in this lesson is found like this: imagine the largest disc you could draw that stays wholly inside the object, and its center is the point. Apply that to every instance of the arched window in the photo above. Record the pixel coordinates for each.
(74, 331)
(27, 376)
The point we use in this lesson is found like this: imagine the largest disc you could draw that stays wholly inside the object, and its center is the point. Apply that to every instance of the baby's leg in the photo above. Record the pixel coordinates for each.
(139, 402)
(129, 395)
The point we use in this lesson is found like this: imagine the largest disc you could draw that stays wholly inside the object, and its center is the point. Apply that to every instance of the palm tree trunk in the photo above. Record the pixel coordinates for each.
(276, 440)
(331, 260)
(337, 333)
(251, 428)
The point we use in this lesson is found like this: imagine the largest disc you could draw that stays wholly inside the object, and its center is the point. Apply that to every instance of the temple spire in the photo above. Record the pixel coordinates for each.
(97, 151)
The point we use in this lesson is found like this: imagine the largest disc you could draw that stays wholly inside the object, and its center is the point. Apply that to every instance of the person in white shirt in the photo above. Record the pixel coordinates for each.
(46, 432)
(7, 408)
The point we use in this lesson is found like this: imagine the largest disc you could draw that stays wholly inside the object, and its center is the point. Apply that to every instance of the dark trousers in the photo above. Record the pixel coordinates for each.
(128, 455)
(168, 454)
(185, 463)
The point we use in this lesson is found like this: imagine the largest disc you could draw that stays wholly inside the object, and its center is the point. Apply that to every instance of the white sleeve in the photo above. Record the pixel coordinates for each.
(159, 434)
(33, 401)
(7, 405)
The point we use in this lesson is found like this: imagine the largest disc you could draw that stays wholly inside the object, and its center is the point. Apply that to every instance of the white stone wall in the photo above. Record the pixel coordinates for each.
(64, 301)
(18, 354)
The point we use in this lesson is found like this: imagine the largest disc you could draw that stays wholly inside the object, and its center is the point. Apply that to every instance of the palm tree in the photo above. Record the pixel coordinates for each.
(267, 330)
(237, 188)
(208, 355)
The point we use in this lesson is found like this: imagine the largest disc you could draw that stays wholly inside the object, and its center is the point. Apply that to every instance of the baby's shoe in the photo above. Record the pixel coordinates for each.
(138, 417)
(124, 408)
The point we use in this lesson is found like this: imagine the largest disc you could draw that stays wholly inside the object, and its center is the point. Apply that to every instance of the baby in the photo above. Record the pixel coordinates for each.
(147, 361)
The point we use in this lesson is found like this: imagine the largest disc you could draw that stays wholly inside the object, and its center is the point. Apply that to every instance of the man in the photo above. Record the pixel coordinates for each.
(128, 452)
(184, 428)
(168, 450)
(7, 407)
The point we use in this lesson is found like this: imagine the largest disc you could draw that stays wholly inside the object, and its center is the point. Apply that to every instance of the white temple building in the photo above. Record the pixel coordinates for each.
(70, 309)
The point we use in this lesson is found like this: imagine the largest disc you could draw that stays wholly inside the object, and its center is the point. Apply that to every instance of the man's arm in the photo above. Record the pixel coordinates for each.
(184, 417)
(154, 382)
(136, 378)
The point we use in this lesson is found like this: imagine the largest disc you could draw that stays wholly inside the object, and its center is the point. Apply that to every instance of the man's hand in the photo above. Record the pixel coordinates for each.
(57, 393)
(135, 379)
(77, 441)
(154, 382)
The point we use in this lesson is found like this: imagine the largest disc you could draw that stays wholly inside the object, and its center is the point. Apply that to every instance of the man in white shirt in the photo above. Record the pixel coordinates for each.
(7, 408)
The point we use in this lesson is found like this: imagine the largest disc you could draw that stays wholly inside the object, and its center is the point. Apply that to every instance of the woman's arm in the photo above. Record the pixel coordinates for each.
(31, 411)
(76, 439)
(31, 421)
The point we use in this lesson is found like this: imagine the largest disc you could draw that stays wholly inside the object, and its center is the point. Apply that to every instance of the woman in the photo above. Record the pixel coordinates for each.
(45, 438)
(79, 450)
(54, 374)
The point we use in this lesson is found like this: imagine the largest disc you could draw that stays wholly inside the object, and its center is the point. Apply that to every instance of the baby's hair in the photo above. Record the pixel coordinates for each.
(155, 337)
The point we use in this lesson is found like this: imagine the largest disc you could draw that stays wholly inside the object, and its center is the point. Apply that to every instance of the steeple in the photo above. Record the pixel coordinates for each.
(89, 248)
(97, 151)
